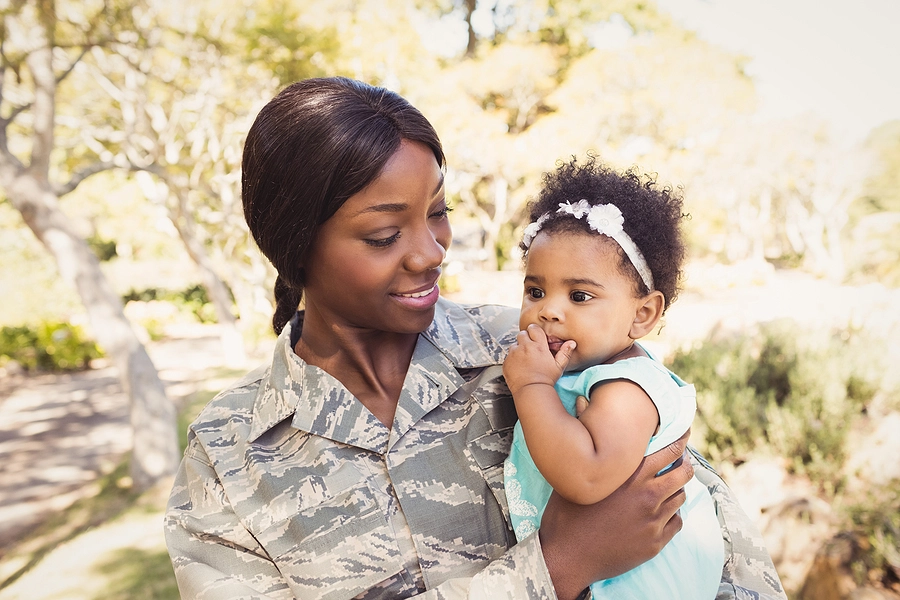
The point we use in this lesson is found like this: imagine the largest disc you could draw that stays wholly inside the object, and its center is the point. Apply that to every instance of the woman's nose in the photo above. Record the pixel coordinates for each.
(427, 253)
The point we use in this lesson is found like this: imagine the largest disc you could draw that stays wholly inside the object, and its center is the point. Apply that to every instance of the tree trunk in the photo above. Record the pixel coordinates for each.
(184, 223)
(472, 40)
(155, 453)
(232, 341)
(491, 224)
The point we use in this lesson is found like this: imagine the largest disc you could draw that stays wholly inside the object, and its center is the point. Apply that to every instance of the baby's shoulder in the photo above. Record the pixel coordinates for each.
(643, 371)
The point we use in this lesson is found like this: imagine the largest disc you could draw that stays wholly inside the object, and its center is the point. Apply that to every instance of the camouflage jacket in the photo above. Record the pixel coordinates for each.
(289, 488)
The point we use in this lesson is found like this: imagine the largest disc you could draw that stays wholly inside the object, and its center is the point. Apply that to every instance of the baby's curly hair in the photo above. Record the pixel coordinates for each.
(652, 214)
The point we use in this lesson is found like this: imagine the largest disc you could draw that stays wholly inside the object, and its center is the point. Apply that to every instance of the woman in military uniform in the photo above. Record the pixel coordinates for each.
(365, 461)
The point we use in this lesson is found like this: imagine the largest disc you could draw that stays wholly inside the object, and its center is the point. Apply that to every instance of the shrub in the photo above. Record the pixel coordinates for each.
(192, 300)
(104, 249)
(47, 346)
(793, 392)
(877, 517)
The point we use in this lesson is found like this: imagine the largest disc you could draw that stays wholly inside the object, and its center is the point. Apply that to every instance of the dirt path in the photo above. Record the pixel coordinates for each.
(60, 432)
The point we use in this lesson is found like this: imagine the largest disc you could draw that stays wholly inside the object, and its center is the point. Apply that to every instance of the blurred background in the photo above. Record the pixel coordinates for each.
(131, 293)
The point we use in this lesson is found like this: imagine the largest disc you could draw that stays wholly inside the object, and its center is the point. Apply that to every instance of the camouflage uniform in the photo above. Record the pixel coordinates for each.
(290, 488)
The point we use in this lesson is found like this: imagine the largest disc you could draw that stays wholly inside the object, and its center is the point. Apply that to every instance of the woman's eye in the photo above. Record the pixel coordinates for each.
(443, 212)
(536, 293)
(580, 296)
(383, 242)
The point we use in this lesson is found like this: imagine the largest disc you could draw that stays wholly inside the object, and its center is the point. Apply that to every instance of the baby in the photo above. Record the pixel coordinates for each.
(603, 259)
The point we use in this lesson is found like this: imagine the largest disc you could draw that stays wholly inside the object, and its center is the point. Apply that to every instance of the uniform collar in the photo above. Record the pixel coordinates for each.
(321, 405)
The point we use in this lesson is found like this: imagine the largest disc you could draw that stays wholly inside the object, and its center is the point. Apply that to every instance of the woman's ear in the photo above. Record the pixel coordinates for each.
(649, 312)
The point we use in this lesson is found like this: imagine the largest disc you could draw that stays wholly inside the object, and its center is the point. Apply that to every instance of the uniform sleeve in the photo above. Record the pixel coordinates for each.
(749, 573)
(520, 573)
(214, 556)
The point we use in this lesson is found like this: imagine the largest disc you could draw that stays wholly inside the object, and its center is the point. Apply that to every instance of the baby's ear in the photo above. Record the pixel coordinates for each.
(649, 312)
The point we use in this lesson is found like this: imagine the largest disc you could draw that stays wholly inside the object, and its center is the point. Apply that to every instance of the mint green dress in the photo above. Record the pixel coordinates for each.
(690, 566)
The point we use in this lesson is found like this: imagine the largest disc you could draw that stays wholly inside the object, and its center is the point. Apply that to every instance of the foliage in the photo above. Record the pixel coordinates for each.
(291, 51)
(796, 393)
(882, 188)
(47, 346)
(874, 243)
(104, 249)
(877, 517)
(192, 300)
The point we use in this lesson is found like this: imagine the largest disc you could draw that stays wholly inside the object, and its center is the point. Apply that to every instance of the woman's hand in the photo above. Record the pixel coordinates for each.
(584, 544)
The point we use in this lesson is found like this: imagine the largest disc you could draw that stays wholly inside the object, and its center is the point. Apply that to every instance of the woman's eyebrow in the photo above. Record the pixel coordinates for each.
(388, 207)
(396, 207)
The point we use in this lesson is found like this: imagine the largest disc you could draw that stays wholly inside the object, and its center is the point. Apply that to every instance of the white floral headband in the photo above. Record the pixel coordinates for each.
(602, 218)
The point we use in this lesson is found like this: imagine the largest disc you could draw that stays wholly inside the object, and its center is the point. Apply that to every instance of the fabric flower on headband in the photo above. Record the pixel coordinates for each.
(532, 230)
(577, 210)
(606, 219)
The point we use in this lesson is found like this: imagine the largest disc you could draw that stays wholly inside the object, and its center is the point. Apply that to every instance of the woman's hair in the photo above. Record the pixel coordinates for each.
(652, 216)
(315, 144)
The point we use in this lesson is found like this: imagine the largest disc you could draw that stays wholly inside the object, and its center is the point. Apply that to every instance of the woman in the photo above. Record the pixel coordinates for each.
(366, 460)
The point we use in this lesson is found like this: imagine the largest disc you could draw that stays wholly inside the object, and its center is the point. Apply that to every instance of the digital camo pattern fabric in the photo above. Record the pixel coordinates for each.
(749, 573)
(290, 488)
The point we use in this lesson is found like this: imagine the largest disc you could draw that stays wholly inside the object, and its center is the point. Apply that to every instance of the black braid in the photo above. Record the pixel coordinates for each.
(287, 300)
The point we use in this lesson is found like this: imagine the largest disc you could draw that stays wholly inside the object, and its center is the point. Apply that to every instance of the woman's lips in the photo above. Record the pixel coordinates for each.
(420, 299)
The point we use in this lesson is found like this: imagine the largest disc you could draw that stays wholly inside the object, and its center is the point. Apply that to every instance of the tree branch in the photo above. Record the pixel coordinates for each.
(84, 50)
(82, 174)
(10, 166)
(5, 121)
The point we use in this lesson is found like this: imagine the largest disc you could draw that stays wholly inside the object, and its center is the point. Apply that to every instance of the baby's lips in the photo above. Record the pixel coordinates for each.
(555, 344)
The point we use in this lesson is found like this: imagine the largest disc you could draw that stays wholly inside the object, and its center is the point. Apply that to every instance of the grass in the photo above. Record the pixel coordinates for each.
(131, 572)
(137, 574)
(83, 515)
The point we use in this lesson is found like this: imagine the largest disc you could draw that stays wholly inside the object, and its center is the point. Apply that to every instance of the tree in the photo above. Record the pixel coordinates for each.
(176, 119)
(563, 78)
(42, 43)
(875, 217)
(496, 98)
(779, 191)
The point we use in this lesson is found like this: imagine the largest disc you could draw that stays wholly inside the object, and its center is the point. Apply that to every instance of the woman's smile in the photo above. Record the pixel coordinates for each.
(422, 299)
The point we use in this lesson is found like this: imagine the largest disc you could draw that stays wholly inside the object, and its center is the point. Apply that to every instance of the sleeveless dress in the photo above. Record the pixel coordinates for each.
(690, 566)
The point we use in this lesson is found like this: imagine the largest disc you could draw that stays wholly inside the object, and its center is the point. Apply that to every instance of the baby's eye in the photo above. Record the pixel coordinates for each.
(580, 296)
(535, 293)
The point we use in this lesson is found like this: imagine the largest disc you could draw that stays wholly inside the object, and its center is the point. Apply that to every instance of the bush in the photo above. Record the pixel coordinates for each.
(48, 346)
(792, 392)
(104, 249)
(192, 300)
(877, 518)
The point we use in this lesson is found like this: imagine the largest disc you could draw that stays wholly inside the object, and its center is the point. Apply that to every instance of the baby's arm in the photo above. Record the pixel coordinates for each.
(583, 460)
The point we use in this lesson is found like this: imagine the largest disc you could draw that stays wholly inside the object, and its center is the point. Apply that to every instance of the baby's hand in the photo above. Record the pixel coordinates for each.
(530, 361)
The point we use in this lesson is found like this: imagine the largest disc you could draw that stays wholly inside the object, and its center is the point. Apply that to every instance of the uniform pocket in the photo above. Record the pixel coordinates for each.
(336, 549)
(489, 452)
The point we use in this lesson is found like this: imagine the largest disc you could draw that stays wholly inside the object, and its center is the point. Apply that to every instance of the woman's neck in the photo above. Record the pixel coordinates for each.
(372, 365)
